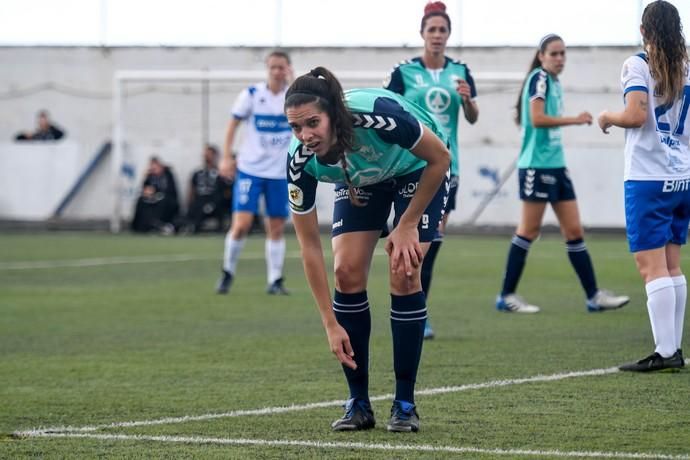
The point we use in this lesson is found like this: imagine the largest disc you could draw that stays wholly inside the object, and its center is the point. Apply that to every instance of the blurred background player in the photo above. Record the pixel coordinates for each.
(442, 86)
(544, 178)
(656, 88)
(400, 161)
(258, 170)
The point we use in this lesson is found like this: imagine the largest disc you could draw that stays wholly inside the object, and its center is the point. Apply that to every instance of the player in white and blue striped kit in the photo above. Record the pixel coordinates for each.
(657, 175)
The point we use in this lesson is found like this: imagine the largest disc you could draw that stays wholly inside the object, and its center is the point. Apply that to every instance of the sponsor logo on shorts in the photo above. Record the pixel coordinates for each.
(344, 194)
(408, 190)
(548, 179)
(682, 185)
(338, 224)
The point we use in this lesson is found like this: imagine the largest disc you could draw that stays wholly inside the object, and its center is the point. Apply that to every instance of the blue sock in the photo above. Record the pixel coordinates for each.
(352, 313)
(517, 255)
(582, 263)
(428, 266)
(408, 314)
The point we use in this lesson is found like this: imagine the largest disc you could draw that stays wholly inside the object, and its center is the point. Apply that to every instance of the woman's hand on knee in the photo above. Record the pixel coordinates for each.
(404, 250)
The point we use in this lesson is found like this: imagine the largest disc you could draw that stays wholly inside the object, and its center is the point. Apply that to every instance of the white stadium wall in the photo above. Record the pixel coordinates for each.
(170, 120)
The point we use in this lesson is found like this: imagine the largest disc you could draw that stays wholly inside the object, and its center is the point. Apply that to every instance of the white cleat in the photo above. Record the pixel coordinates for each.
(513, 303)
(606, 300)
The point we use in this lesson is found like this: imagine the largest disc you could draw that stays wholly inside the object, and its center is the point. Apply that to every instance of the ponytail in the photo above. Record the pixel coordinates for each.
(536, 62)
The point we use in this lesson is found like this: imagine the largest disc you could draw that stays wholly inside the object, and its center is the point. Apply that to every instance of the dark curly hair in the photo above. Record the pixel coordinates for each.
(662, 34)
(319, 86)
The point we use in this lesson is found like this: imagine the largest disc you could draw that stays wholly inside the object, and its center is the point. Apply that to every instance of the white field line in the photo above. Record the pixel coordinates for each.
(365, 446)
(317, 405)
(102, 261)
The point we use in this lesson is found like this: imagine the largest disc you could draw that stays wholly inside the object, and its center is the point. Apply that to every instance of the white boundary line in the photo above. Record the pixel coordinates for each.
(102, 261)
(87, 432)
(364, 446)
(318, 405)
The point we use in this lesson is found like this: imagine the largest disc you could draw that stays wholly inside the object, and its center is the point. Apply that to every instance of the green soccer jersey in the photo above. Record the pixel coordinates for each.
(541, 147)
(386, 125)
(435, 91)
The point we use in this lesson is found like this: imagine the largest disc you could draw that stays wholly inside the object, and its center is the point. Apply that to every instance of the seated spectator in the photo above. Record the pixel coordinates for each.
(158, 205)
(210, 195)
(45, 130)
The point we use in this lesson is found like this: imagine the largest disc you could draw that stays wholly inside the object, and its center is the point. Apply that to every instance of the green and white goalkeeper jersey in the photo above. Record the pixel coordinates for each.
(435, 91)
(387, 127)
(541, 147)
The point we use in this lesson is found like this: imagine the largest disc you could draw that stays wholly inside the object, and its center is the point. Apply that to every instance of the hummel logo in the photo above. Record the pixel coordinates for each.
(298, 159)
(374, 121)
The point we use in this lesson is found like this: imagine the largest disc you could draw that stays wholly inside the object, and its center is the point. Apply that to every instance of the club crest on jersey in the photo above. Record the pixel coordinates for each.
(296, 195)
(437, 99)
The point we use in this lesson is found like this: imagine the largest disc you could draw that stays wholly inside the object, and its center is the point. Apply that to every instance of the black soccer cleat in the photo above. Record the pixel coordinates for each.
(277, 288)
(682, 359)
(404, 418)
(655, 362)
(358, 416)
(224, 283)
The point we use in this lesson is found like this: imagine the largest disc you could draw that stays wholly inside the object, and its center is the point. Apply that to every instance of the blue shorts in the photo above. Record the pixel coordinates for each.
(378, 199)
(248, 189)
(454, 183)
(656, 213)
(545, 185)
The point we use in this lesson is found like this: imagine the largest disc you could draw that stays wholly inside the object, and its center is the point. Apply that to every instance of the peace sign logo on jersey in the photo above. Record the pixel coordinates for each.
(437, 99)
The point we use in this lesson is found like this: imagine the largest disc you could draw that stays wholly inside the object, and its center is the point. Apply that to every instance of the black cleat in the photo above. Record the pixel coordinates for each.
(655, 362)
(404, 417)
(277, 288)
(679, 352)
(224, 283)
(358, 416)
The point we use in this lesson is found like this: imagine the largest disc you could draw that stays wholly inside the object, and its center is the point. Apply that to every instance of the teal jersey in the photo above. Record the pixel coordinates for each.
(435, 91)
(541, 147)
(387, 127)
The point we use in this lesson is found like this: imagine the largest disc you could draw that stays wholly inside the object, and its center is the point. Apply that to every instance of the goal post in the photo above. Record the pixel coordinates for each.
(237, 78)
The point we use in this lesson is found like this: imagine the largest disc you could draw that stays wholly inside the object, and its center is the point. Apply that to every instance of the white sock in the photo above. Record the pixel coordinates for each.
(275, 256)
(233, 249)
(681, 287)
(661, 305)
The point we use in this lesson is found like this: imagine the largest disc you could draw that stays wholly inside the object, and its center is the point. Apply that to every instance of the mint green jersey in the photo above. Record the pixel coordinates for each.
(435, 91)
(387, 127)
(541, 147)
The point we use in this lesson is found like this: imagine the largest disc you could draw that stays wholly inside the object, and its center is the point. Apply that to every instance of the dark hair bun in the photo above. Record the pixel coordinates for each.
(434, 7)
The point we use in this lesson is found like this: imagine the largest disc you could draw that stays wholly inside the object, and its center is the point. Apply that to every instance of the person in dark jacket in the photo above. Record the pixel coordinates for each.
(158, 205)
(45, 130)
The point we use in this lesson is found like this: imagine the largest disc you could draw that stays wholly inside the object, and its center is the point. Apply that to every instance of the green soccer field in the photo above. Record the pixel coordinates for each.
(118, 347)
